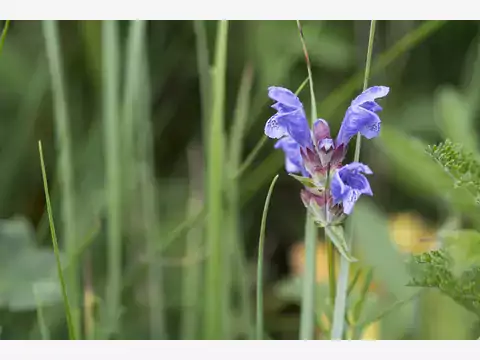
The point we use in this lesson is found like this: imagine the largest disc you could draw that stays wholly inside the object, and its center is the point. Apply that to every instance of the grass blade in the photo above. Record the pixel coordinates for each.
(66, 303)
(215, 157)
(4, 34)
(64, 149)
(111, 75)
(261, 241)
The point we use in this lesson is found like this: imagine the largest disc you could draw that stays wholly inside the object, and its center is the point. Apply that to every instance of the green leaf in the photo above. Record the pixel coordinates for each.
(337, 235)
(24, 266)
(308, 182)
(434, 270)
(461, 165)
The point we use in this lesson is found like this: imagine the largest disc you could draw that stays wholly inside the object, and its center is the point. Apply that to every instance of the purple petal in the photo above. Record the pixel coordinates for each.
(349, 183)
(361, 115)
(321, 130)
(350, 200)
(296, 125)
(273, 129)
(358, 167)
(284, 96)
(358, 120)
(326, 144)
(293, 158)
(337, 188)
(370, 94)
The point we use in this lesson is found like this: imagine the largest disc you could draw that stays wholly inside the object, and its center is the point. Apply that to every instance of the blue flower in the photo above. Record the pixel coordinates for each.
(349, 183)
(361, 115)
(290, 118)
(293, 157)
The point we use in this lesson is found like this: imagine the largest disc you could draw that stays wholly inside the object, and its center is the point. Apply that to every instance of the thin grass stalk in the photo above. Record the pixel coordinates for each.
(342, 282)
(259, 331)
(214, 308)
(111, 82)
(4, 35)
(65, 163)
(66, 302)
(130, 96)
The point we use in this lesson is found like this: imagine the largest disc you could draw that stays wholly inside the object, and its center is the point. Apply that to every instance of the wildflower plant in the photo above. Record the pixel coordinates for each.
(315, 159)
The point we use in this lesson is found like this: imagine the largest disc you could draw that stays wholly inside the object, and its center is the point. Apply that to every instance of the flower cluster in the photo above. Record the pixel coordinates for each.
(331, 188)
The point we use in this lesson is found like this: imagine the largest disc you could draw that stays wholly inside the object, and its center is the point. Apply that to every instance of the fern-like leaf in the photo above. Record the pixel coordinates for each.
(434, 270)
(461, 165)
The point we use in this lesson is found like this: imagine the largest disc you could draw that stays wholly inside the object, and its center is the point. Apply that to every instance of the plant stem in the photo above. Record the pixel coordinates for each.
(331, 270)
(261, 241)
(111, 71)
(342, 284)
(214, 307)
(4, 34)
(66, 303)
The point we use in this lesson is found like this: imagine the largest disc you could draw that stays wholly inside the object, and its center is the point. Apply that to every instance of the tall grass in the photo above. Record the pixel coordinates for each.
(259, 330)
(214, 302)
(111, 133)
(68, 311)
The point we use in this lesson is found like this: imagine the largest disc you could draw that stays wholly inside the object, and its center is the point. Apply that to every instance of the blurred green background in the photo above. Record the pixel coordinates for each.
(124, 134)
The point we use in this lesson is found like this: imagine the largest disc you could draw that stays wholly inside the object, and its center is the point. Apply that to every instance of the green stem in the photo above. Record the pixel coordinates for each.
(342, 284)
(4, 35)
(214, 307)
(261, 241)
(331, 270)
(64, 148)
(111, 68)
(66, 303)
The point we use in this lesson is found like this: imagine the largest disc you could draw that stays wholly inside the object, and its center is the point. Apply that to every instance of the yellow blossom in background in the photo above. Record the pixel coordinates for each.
(297, 260)
(411, 233)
